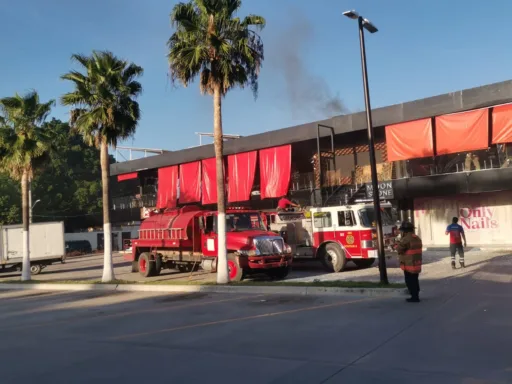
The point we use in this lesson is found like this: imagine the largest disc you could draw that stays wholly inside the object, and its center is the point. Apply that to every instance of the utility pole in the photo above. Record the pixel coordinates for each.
(362, 25)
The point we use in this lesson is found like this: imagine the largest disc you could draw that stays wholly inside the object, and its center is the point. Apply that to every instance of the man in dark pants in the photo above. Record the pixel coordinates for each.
(410, 255)
(456, 233)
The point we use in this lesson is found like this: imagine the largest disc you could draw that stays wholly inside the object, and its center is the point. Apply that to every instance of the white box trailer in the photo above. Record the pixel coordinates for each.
(46, 246)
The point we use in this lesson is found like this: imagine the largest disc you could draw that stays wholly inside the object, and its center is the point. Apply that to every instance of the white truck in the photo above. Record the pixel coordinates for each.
(46, 246)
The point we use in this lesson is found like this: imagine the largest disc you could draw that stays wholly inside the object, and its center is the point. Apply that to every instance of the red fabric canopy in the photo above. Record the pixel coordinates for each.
(462, 132)
(167, 187)
(502, 124)
(209, 185)
(241, 170)
(275, 171)
(190, 182)
(127, 176)
(410, 140)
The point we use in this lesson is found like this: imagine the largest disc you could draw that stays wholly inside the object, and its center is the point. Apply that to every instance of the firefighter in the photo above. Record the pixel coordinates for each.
(285, 204)
(409, 252)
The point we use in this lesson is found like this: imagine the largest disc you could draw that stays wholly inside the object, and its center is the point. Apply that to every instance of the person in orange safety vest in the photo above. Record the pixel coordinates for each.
(410, 255)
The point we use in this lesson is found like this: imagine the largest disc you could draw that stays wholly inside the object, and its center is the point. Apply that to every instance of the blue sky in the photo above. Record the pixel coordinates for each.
(423, 48)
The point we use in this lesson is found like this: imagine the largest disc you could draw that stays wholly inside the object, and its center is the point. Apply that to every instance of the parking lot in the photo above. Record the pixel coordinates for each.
(460, 334)
(436, 268)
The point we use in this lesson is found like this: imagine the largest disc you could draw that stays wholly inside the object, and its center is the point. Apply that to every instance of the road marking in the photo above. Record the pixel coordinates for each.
(134, 312)
(337, 304)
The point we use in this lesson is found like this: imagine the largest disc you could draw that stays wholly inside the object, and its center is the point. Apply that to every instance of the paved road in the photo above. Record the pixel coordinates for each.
(436, 267)
(459, 333)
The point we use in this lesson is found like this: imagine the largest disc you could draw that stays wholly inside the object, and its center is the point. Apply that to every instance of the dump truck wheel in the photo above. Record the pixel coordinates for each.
(363, 263)
(334, 258)
(146, 266)
(158, 264)
(35, 269)
(235, 272)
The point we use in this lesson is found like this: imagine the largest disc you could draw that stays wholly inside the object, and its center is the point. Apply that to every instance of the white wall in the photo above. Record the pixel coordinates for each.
(92, 237)
(485, 217)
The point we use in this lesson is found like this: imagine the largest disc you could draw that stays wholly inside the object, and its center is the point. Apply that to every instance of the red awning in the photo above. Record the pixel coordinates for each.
(241, 170)
(127, 176)
(167, 187)
(502, 124)
(462, 132)
(209, 185)
(190, 182)
(275, 170)
(410, 140)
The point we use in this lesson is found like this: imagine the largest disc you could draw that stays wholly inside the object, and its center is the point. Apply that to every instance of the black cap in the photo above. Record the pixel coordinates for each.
(406, 226)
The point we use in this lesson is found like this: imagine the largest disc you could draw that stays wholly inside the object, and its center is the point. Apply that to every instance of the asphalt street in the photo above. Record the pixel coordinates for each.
(459, 333)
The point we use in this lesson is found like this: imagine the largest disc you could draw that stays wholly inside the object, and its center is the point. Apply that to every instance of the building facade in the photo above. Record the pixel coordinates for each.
(439, 157)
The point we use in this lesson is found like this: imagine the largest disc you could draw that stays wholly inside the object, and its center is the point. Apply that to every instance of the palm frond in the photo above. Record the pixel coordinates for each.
(103, 97)
(212, 43)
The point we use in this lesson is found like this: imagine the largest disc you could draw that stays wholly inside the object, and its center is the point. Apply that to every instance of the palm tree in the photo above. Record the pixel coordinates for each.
(105, 111)
(24, 144)
(211, 42)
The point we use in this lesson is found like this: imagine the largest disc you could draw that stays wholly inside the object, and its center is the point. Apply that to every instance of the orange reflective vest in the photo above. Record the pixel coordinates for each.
(410, 253)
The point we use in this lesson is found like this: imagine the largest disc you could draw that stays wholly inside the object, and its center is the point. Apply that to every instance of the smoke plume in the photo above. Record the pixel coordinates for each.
(309, 95)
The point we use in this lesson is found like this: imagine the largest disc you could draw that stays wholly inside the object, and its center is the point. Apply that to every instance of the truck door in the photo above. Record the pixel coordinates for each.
(209, 236)
(347, 233)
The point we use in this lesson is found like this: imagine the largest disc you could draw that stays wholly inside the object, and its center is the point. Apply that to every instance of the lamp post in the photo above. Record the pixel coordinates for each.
(366, 24)
(30, 212)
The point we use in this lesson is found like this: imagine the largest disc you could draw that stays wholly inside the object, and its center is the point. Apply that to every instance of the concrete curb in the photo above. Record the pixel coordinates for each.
(254, 289)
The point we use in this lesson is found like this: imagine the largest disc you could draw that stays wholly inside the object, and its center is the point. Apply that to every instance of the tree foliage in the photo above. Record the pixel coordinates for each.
(24, 143)
(69, 188)
(211, 42)
(103, 98)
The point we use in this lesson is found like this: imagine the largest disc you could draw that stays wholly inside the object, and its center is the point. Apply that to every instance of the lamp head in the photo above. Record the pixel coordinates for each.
(351, 14)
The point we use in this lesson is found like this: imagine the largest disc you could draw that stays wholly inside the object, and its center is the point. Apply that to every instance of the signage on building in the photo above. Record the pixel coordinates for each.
(385, 190)
(146, 212)
(477, 218)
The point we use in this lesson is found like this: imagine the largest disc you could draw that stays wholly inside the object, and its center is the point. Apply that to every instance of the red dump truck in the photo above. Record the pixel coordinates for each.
(186, 239)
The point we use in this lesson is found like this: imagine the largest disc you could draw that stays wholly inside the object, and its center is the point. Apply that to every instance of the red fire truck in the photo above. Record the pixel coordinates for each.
(186, 238)
(334, 235)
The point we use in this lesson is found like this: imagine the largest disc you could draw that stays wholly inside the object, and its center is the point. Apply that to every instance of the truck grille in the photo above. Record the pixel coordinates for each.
(269, 245)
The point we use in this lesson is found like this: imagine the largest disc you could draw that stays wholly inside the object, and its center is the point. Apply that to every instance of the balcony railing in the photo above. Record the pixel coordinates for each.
(133, 202)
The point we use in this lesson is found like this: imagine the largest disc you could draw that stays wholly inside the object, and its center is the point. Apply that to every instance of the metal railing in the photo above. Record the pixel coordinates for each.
(160, 234)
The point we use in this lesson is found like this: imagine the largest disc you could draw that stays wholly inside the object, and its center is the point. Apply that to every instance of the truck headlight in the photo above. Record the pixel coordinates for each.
(249, 252)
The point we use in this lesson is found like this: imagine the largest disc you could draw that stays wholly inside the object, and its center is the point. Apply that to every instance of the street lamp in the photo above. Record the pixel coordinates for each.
(366, 24)
(30, 212)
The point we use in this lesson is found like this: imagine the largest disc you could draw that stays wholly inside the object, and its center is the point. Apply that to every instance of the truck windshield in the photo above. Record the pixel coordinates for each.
(367, 217)
(244, 221)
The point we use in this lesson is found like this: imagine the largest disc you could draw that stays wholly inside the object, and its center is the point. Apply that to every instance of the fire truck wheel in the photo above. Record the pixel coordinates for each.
(334, 258)
(364, 263)
(135, 266)
(235, 272)
(146, 266)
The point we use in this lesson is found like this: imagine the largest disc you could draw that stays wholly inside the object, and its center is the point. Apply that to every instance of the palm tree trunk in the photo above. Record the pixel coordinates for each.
(108, 265)
(25, 269)
(222, 262)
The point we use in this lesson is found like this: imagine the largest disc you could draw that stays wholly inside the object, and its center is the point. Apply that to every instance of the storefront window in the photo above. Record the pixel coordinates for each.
(497, 156)
(367, 217)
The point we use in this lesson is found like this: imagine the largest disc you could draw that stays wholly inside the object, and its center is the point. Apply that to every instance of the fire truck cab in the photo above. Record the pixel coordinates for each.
(334, 235)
